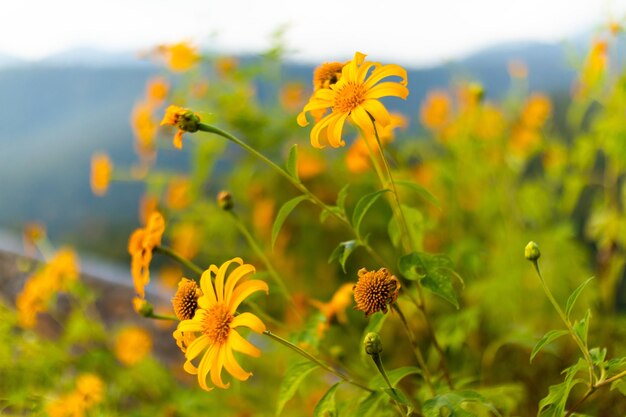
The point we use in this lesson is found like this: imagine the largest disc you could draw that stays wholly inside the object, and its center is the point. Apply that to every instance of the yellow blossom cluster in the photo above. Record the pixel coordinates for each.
(89, 392)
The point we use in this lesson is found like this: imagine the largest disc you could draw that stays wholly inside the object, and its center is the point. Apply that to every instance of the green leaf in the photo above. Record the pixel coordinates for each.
(434, 273)
(572, 298)
(293, 377)
(362, 206)
(341, 198)
(395, 376)
(598, 356)
(581, 327)
(282, 215)
(553, 405)
(343, 251)
(547, 338)
(369, 406)
(399, 397)
(453, 402)
(292, 162)
(415, 224)
(421, 191)
(326, 406)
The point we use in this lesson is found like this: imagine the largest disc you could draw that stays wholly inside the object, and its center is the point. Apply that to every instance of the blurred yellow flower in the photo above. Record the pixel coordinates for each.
(157, 89)
(536, 111)
(336, 307)
(489, 123)
(186, 240)
(524, 141)
(132, 344)
(91, 388)
(436, 110)
(225, 66)
(147, 205)
(101, 169)
(38, 290)
(144, 127)
(184, 119)
(327, 74)
(355, 96)
(215, 323)
(375, 290)
(178, 194)
(594, 67)
(358, 158)
(310, 163)
(89, 392)
(517, 68)
(180, 56)
(292, 95)
(140, 245)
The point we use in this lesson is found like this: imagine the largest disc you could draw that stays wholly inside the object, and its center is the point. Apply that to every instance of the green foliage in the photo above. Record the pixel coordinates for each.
(547, 338)
(434, 272)
(294, 376)
(284, 211)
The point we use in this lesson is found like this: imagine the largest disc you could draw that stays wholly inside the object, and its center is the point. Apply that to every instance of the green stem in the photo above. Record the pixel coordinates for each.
(259, 252)
(567, 323)
(593, 389)
(181, 260)
(416, 350)
(161, 317)
(381, 369)
(316, 361)
(301, 187)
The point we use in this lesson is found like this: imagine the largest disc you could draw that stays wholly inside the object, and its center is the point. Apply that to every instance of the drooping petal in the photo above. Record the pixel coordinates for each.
(233, 367)
(178, 140)
(364, 70)
(205, 366)
(244, 290)
(387, 89)
(248, 320)
(240, 272)
(335, 127)
(378, 112)
(360, 118)
(322, 99)
(196, 347)
(190, 368)
(241, 345)
(208, 292)
(190, 325)
(219, 278)
(216, 368)
(391, 70)
(317, 130)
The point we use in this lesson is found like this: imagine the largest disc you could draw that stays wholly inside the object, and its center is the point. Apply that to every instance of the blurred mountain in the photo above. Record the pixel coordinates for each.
(57, 112)
(7, 60)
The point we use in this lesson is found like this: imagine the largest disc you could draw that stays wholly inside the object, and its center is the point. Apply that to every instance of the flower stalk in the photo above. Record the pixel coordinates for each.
(180, 259)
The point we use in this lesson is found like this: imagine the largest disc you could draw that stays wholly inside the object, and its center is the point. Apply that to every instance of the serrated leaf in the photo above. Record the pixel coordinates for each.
(343, 251)
(326, 406)
(395, 376)
(572, 298)
(553, 405)
(547, 338)
(421, 191)
(581, 327)
(293, 378)
(598, 356)
(292, 162)
(362, 206)
(282, 215)
(412, 267)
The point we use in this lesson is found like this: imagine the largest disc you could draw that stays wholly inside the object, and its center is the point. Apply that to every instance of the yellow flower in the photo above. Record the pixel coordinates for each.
(225, 66)
(436, 110)
(327, 74)
(215, 324)
(292, 96)
(186, 240)
(101, 169)
(375, 290)
(180, 56)
(185, 301)
(132, 344)
(536, 111)
(336, 307)
(147, 205)
(178, 193)
(39, 289)
(91, 388)
(140, 246)
(184, 119)
(310, 163)
(157, 89)
(517, 68)
(33, 232)
(144, 127)
(354, 96)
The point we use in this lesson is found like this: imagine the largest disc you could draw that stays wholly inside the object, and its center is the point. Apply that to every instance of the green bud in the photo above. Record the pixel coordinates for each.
(225, 200)
(188, 121)
(373, 345)
(532, 251)
(143, 307)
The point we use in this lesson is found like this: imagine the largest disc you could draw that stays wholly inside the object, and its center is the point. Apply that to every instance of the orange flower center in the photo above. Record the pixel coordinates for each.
(216, 323)
(349, 97)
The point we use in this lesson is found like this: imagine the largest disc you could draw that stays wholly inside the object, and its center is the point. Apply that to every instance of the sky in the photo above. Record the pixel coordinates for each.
(409, 31)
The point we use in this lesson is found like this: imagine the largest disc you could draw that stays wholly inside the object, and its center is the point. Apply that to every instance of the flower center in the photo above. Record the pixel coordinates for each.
(216, 323)
(349, 97)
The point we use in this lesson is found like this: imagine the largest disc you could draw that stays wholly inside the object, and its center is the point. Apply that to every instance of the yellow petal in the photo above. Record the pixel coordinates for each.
(248, 320)
(242, 345)
(244, 290)
(207, 287)
(360, 118)
(219, 278)
(335, 127)
(378, 112)
(190, 325)
(216, 368)
(240, 272)
(233, 367)
(387, 89)
(190, 368)
(178, 140)
(390, 70)
(196, 347)
(317, 130)
(364, 70)
(205, 367)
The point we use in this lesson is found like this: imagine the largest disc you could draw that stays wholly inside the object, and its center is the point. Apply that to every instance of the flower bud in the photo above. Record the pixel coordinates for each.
(143, 307)
(225, 200)
(532, 251)
(372, 343)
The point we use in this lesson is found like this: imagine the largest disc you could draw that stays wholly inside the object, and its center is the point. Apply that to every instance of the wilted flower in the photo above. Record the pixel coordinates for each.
(215, 323)
(184, 119)
(140, 246)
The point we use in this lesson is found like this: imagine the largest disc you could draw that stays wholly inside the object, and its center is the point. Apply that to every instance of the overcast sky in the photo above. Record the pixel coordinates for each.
(417, 31)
